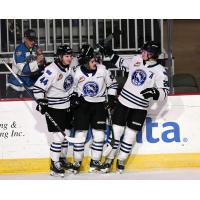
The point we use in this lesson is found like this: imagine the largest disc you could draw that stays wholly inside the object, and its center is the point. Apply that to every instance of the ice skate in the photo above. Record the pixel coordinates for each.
(56, 169)
(95, 166)
(66, 165)
(120, 166)
(76, 167)
(105, 168)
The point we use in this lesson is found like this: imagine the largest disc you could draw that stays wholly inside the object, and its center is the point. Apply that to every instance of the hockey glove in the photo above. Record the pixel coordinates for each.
(106, 50)
(111, 102)
(150, 92)
(42, 106)
(75, 101)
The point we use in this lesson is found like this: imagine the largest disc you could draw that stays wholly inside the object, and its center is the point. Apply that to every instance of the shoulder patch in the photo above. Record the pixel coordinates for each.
(48, 72)
(81, 79)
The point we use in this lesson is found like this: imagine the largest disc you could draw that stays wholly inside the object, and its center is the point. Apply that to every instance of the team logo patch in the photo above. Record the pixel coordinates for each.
(68, 82)
(90, 89)
(139, 76)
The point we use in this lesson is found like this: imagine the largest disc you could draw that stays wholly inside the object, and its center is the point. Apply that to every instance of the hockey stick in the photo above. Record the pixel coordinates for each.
(105, 42)
(111, 36)
(108, 146)
(69, 139)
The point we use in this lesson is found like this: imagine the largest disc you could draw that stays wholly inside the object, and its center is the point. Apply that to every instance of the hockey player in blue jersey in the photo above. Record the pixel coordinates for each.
(28, 63)
(147, 81)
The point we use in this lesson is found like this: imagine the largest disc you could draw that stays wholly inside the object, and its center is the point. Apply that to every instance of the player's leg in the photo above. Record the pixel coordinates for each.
(135, 122)
(64, 146)
(98, 124)
(81, 126)
(119, 122)
(57, 140)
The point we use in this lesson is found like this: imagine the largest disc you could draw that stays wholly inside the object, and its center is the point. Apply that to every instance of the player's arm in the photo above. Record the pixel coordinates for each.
(112, 86)
(44, 82)
(75, 99)
(111, 83)
(161, 89)
(119, 62)
(162, 84)
(41, 86)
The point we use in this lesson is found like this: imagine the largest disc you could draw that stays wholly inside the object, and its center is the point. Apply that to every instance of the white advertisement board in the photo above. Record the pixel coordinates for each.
(170, 128)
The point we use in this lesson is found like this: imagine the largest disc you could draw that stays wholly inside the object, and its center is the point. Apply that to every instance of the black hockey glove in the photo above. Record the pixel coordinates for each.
(150, 92)
(42, 106)
(106, 50)
(75, 101)
(111, 102)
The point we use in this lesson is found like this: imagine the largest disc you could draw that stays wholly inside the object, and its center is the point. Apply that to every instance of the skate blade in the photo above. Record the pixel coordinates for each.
(69, 171)
(75, 172)
(104, 171)
(52, 173)
(93, 170)
(119, 171)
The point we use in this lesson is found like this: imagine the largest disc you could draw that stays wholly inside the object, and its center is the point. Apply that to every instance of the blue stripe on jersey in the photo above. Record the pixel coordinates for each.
(133, 101)
(58, 103)
(114, 84)
(57, 97)
(135, 96)
(58, 100)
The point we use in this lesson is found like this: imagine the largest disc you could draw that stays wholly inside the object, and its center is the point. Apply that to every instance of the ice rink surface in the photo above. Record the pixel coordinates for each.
(172, 174)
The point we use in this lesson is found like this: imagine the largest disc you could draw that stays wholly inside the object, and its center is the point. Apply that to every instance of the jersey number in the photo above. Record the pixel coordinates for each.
(166, 83)
(42, 80)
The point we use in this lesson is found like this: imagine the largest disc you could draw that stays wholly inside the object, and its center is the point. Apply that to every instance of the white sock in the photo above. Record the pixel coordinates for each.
(127, 143)
(97, 144)
(118, 132)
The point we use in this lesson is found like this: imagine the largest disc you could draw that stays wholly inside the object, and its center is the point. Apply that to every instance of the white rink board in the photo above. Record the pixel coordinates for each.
(172, 129)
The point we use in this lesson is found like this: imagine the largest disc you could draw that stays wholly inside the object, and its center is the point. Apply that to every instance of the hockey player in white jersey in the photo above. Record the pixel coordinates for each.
(52, 91)
(147, 80)
(92, 82)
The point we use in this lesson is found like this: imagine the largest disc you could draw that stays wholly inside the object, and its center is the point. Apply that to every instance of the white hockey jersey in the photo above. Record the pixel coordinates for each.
(56, 84)
(141, 77)
(93, 86)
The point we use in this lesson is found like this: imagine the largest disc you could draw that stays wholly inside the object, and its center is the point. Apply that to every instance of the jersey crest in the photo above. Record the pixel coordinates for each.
(69, 80)
(138, 77)
(90, 89)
